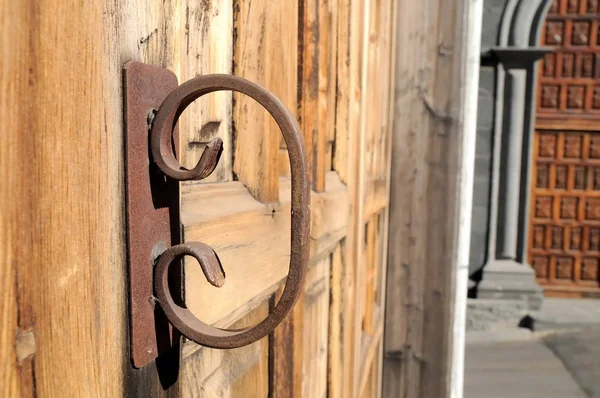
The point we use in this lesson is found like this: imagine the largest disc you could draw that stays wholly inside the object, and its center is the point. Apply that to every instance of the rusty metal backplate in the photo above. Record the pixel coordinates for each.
(152, 209)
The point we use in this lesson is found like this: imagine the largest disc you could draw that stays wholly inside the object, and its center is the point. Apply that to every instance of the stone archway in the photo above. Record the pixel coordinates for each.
(506, 273)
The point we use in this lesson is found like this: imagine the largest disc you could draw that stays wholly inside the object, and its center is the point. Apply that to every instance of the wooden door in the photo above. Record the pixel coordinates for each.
(564, 245)
(63, 298)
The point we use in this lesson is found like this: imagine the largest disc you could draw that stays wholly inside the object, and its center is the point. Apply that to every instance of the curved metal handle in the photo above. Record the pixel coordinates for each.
(161, 145)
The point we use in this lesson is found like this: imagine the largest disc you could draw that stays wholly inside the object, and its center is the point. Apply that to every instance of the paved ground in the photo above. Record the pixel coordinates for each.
(516, 369)
(567, 313)
(560, 358)
(580, 354)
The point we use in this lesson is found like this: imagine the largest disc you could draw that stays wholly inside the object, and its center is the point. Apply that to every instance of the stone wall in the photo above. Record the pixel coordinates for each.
(492, 15)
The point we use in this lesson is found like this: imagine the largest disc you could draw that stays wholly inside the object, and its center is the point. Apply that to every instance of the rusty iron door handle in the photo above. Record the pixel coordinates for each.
(163, 155)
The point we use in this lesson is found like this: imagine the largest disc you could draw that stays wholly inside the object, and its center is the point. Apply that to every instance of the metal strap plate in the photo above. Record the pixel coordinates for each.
(152, 210)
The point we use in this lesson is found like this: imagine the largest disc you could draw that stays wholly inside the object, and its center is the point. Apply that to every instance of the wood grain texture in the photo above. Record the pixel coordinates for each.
(316, 326)
(149, 32)
(563, 226)
(265, 39)
(343, 95)
(443, 174)
(63, 297)
(564, 232)
(328, 59)
(207, 47)
(15, 371)
(376, 193)
(373, 265)
(317, 46)
(237, 373)
(352, 164)
(358, 246)
(252, 240)
(335, 364)
(406, 265)
(308, 90)
(390, 103)
(370, 369)
(287, 353)
(63, 303)
(423, 194)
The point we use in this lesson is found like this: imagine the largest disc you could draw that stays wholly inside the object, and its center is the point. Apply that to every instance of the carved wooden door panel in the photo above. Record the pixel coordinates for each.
(564, 246)
(64, 309)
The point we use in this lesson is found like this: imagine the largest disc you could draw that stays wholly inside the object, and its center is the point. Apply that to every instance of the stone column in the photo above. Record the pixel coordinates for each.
(508, 199)
(505, 275)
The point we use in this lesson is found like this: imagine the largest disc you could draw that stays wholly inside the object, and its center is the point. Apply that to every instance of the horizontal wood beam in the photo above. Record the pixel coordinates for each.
(226, 217)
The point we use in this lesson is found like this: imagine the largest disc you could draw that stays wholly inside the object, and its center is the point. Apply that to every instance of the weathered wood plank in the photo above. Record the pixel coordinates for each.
(148, 33)
(316, 326)
(343, 94)
(323, 66)
(375, 196)
(349, 162)
(16, 364)
(62, 279)
(226, 217)
(423, 195)
(328, 91)
(371, 266)
(444, 156)
(241, 372)
(392, 21)
(189, 38)
(308, 105)
(207, 47)
(286, 353)
(358, 225)
(266, 36)
(406, 263)
(371, 346)
(336, 359)
(317, 104)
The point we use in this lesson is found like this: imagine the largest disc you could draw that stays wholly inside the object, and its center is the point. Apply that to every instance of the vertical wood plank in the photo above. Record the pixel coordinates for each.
(368, 291)
(371, 266)
(308, 103)
(328, 100)
(347, 162)
(16, 358)
(358, 224)
(207, 47)
(423, 194)
(237, 373)
(63, 302)
(343, 95)
(444, 155)
(342, 315)
(336, 332)
(286, 353)
(318, 55)
(265, 39)
(149, 32)
(389, 115)
(326, 104)
(316, 325)
(406, 265)
(281, 24)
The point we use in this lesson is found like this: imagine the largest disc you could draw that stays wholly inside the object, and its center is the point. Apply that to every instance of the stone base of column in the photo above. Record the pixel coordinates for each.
(509, 280)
